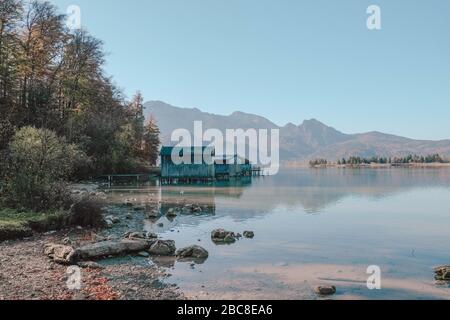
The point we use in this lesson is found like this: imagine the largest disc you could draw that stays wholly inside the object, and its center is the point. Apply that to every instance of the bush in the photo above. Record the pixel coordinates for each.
(87, 212)
(37, 166)
(14, 230)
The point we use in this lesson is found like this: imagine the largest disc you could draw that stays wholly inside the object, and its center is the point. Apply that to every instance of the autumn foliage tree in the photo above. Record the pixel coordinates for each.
(53, 78)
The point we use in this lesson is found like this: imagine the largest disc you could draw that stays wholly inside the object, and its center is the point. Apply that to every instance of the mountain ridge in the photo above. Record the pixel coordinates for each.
(310, 139)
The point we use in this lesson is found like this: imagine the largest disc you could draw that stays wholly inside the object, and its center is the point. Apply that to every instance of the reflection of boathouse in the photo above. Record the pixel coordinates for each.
(199, 164)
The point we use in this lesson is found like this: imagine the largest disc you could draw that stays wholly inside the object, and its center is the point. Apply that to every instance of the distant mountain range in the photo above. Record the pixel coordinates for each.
(309, 140)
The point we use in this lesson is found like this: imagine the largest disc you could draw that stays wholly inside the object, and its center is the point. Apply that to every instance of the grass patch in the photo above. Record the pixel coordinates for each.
(16, 224)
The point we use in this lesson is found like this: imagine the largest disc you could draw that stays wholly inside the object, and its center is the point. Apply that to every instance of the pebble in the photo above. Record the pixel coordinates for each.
(326, 290)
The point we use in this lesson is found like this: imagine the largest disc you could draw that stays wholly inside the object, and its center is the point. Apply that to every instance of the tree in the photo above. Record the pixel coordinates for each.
(38, 164)
(52, 78)
(136, 114)
(10, 14)
(151, 141)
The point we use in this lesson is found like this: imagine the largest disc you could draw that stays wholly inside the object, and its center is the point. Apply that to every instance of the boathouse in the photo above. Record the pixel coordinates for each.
(197, 168)
(227, 167)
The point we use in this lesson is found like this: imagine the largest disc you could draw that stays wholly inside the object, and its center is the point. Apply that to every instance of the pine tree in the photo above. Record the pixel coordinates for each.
(137, 119)
(151, 141)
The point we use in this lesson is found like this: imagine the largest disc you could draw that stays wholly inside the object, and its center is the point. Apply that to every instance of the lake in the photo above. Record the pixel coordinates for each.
(314, 227)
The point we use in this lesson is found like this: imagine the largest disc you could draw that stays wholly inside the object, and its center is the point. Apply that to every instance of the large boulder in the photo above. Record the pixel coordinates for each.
(111, 248)
(61, 254)
(223, 236)
(163, 248)
(195, 252)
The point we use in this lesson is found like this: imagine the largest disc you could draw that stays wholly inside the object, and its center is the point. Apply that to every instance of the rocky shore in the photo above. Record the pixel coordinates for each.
(26, 273)
(118, 261)
(41, 267)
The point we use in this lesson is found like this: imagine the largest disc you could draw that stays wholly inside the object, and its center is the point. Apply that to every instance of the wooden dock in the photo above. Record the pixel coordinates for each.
(257, 171)
(138, 177)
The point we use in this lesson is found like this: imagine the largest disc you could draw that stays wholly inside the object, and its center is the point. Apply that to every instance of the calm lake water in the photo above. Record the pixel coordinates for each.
(315, 227)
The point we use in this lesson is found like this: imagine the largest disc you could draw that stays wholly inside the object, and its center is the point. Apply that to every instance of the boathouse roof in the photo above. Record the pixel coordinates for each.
(168, 151)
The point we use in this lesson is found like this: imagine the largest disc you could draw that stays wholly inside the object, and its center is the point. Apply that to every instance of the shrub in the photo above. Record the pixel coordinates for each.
(87, 212)
(37, 166)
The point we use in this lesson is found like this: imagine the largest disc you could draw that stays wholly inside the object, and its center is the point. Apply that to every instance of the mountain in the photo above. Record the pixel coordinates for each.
(309, 140)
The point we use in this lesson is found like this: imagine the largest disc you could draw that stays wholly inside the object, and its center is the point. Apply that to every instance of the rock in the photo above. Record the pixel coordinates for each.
(163, 248)
(111, 248)
(229, 239)
(61, 254)
(151, 235)
(144, 254)
(67, 241)
(153, 214)
(89, 265)
(326, 290)
(113, 219)
(221, 235)
(171, 213)
(100, 195)
(194, 251)
(135, 235)
(128, 203)
(249, 234)
(109, 224)
(197, 209)
(129, 216)
(140, 235)
(442, 273)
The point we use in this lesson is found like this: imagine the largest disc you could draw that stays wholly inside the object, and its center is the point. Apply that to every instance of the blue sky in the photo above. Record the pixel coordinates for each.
(287, 60)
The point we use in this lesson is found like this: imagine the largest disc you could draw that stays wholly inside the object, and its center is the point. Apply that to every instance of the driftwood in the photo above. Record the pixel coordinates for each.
(111, 248)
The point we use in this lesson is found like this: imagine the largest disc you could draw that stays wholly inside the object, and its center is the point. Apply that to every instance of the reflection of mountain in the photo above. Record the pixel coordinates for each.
(303, 190)
(315, 190)
(311, 139)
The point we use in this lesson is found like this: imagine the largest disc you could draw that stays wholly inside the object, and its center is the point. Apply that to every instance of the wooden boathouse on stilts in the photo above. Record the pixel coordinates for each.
(196, 168)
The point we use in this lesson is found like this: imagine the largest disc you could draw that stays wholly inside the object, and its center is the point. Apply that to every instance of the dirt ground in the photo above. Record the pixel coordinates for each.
(27, 274)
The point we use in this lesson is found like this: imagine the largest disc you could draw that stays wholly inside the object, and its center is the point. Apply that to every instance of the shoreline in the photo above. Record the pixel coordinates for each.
(374, 166)
(27, 274)
(24, 266)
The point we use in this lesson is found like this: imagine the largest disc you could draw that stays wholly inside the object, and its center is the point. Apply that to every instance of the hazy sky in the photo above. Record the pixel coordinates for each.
(287, 60)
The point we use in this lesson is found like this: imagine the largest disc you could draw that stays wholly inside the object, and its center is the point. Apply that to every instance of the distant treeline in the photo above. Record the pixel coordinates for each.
(435, 158)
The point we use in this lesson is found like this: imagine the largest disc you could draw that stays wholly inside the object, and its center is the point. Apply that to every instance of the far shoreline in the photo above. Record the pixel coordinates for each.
(368, 166)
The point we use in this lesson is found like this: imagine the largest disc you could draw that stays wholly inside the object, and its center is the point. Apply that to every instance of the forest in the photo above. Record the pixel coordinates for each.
(62, 118)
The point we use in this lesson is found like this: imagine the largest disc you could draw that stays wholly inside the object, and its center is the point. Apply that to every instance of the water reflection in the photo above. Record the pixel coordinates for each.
(313, 190)
(312, 227)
